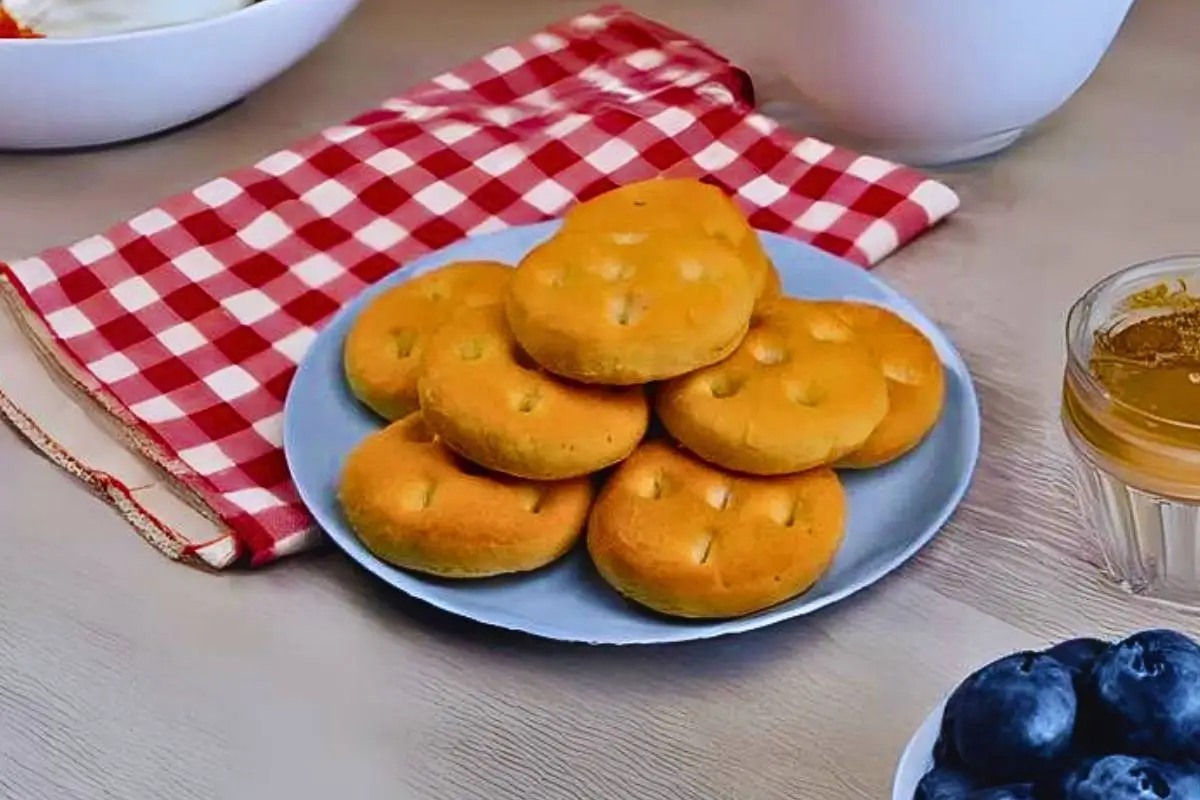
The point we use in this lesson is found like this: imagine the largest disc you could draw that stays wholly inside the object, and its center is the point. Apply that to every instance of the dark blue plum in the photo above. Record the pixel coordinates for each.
(1014, 791)
(1148, 695)
(1078, 655)
(1014, 719)
(945, 752)
(1122, 777)
(944, 784)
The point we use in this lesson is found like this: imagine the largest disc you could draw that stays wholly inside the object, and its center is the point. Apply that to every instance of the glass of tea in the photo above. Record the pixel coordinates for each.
(1131, 411)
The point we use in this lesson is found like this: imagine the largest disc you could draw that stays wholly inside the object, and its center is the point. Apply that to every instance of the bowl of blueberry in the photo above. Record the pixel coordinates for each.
(1083, 720)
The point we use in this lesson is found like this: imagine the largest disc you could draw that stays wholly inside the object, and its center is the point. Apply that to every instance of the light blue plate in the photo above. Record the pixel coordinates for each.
(894, 511)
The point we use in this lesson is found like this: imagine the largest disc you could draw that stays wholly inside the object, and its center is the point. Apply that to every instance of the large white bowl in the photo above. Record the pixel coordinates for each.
(933, 81)
(60, 93)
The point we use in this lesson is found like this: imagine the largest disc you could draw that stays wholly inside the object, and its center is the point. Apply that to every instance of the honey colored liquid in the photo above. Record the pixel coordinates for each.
(1153, 365)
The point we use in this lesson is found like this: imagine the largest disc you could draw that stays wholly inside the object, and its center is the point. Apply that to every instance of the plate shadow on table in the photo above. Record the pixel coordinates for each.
(125, 143)
(714, 658)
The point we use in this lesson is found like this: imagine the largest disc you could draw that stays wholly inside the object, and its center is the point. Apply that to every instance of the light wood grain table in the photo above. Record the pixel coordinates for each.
(125, 676)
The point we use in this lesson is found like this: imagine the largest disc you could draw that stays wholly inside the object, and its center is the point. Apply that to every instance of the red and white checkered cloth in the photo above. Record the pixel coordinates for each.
(192, 316)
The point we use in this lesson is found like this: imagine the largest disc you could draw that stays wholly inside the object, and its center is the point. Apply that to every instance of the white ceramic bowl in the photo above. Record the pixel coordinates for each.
(81, 92)
(932, 81)
(917, 758)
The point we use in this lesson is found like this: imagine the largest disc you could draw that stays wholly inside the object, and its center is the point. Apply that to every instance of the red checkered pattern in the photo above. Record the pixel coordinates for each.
(193, 316)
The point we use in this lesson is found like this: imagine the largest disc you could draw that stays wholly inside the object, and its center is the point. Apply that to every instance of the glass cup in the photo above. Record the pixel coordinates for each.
(1137, 469)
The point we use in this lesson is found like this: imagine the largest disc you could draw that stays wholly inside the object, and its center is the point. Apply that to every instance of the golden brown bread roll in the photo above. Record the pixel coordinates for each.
(687, 539)
(416, 505)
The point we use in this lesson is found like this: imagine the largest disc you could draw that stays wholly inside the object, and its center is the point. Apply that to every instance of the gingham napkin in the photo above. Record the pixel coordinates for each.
(186, 323)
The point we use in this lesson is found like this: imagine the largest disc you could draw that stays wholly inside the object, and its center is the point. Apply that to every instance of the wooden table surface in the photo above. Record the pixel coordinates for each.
(125, 676)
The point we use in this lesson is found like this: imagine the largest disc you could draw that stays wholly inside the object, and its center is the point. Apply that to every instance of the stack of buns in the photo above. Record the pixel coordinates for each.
(639, 380)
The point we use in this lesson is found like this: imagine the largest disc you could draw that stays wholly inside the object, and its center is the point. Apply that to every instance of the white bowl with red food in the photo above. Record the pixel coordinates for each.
(81, 73)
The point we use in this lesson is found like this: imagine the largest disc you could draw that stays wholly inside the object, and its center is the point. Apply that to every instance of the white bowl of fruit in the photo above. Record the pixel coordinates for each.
(92, 72)
(1083, 720)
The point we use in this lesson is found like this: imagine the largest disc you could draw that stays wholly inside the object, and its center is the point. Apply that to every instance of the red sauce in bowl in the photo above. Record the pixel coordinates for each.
(11, 29)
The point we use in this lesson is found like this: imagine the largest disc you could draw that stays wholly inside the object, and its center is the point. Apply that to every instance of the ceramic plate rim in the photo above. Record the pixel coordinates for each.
(399, 579)
(917, 757)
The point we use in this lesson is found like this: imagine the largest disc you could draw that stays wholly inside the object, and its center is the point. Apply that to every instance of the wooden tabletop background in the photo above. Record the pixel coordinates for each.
(125, 676)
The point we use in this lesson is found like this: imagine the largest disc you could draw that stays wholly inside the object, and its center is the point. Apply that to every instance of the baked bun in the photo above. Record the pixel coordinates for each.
(687, 539)
(801, 391)
(416, 505)
(677, 204)
(630, 308)
(487, 400)
(382, 353)
(916, 382)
